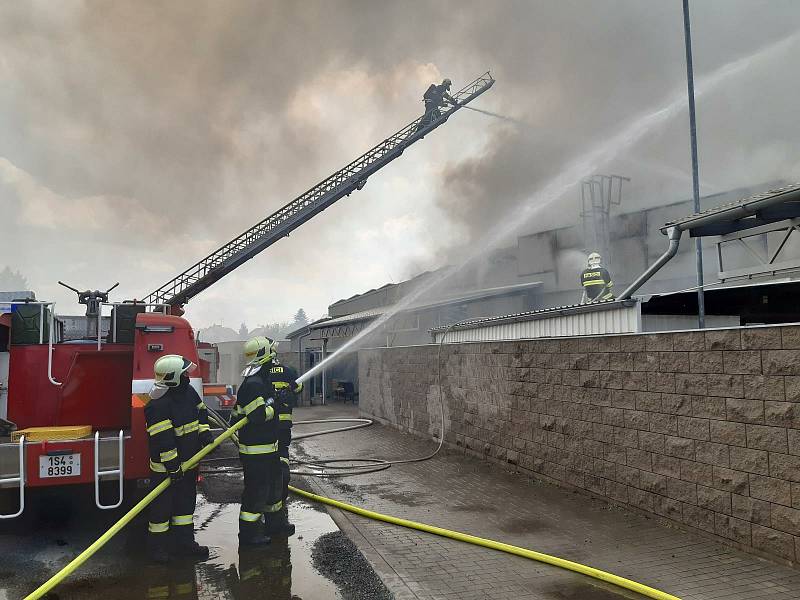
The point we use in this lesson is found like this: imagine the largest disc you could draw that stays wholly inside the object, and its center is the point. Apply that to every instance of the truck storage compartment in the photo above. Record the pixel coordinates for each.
(30, 323)
(125, 315)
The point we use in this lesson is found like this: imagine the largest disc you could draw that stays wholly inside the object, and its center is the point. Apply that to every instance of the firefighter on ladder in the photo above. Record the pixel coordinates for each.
(436, 97)
(596, 281)
(177, 427)
(262, 505)
(284, 382)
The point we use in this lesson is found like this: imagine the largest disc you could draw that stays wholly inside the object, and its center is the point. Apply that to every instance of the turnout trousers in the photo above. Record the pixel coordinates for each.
(262, 492)
(173, 509)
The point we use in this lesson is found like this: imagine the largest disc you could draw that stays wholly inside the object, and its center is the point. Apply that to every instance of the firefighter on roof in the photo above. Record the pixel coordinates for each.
(177, 427)
(258, 447)
(596, 281)
(284, 381)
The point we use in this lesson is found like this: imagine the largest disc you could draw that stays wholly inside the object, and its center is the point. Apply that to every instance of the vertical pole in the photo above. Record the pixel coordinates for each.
(687, 35)
(324, 387)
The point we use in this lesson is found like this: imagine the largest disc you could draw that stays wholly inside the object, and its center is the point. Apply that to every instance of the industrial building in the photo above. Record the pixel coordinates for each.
(750, 271)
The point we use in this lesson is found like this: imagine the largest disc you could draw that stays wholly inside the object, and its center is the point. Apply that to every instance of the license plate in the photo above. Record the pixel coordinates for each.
(61, 465)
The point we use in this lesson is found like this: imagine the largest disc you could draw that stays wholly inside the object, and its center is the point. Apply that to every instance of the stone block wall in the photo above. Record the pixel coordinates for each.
(701, 428)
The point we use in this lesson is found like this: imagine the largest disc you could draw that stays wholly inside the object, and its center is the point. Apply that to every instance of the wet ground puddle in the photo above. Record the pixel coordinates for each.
(281, 571)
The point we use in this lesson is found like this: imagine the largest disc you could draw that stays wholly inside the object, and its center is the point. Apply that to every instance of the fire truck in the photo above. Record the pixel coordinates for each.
(75, 388)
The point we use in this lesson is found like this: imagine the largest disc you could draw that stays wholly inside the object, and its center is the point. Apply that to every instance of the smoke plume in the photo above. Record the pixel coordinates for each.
(136, 137)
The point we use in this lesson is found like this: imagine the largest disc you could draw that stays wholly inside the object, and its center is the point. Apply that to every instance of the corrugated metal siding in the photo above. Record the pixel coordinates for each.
(616, 320)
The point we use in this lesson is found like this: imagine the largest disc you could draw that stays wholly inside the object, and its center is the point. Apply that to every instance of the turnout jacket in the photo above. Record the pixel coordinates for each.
(436, 95)
(595, 281)
(255, 400)
(177, 427)
(284, 382)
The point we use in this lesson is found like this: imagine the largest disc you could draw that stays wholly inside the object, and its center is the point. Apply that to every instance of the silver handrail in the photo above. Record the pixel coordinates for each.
(99, 327)
(109, 472)
(19, 479)
(50, 347)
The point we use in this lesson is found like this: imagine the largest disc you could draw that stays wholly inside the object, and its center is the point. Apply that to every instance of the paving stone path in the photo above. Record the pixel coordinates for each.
(465, 494)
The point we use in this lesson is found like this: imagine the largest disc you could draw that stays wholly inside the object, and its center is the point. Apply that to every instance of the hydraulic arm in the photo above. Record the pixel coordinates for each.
(219, 263)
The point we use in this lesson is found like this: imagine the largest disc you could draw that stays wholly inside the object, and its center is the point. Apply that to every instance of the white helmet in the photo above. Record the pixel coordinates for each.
(594, 260)
(168, 370)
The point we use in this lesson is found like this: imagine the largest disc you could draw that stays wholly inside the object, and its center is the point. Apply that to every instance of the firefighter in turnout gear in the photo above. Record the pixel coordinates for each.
(258, 447)
(436, 97)
(596, 281)
(284, 382)
(177, 427)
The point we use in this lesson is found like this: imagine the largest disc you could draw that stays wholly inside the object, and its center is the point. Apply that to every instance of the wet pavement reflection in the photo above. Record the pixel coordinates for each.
(281, 571)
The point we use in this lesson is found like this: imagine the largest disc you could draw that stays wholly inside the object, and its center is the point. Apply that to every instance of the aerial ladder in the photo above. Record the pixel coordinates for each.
(67, 433)
(281, 223)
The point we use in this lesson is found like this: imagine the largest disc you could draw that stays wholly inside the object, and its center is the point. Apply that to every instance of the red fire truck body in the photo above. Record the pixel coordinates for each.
(77, 383)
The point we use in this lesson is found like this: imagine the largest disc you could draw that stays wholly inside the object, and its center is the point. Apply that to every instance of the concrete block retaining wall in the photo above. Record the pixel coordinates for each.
(701, 428)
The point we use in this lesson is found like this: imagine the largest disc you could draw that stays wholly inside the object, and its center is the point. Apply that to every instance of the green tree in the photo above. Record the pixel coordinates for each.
(300, 318)
(12, 281)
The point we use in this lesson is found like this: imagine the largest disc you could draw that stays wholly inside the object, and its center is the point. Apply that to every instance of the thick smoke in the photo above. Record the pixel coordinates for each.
(578, 71)
(137, 136)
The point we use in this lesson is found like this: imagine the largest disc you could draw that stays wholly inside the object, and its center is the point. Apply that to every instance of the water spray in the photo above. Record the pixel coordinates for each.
(499, 116)
(566, 180)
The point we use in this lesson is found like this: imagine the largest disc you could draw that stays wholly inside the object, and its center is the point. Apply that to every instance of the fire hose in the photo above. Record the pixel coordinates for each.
(605, 576)
(229, 432)
(455, 535)
(127, 518)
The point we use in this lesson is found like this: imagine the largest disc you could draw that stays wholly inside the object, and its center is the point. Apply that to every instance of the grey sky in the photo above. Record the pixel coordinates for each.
(137, 137)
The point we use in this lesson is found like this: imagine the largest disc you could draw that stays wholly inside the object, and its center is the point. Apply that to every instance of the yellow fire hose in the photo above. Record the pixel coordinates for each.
(116, 527)
(455, 535)
(478, 541)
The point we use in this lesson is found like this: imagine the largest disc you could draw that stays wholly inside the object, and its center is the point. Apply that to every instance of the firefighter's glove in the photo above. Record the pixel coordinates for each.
(176, 475)
(206, 438)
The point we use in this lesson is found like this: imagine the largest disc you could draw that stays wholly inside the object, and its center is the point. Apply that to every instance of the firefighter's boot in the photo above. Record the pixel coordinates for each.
(185, 545)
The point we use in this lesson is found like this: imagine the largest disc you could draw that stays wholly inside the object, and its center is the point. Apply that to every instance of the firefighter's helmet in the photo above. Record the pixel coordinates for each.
(594, 260)
(168, 369)
(260, 350)
(447, 83)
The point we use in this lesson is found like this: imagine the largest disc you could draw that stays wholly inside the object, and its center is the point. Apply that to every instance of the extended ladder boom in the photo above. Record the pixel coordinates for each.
(219, 263)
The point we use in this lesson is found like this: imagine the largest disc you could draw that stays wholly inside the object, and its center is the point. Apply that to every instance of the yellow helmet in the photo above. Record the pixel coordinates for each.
(169, 368)
(259, 350)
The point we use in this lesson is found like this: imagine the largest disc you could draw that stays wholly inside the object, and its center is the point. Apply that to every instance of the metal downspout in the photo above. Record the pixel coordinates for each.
(300, 357)
(674, 234)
